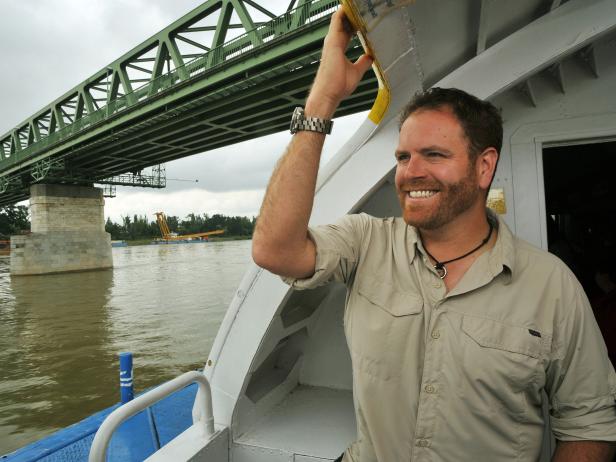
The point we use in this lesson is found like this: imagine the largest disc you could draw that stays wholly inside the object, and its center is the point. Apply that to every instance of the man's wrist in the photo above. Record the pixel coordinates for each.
(299, 122)
(320, 107)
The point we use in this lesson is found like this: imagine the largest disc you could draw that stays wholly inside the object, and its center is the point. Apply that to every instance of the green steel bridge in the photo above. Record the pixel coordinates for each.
(188, 89)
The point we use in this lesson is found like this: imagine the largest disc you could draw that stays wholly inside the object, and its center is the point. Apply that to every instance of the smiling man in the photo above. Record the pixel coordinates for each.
(457, 329)
(442, 177)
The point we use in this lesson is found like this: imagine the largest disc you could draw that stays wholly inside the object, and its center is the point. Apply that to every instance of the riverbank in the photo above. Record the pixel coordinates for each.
(134, 242)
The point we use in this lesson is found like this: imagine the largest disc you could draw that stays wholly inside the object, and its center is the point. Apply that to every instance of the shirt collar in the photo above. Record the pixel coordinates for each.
(501, 257)
(412, 241)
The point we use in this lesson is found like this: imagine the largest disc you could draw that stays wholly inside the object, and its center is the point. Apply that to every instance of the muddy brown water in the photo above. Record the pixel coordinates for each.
(60, 334)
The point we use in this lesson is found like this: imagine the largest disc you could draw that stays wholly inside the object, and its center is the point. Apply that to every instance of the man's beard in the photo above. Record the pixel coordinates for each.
(453, 199)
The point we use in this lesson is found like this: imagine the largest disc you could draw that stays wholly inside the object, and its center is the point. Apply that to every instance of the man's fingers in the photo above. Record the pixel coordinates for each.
(346, 24)
(340, 21)
(363, 63)
(340, 27)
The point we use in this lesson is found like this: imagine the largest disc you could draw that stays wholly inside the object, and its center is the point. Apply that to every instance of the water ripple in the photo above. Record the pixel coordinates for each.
(60, 334)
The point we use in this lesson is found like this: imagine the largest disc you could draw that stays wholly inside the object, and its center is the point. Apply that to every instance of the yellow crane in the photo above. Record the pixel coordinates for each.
(168, 236)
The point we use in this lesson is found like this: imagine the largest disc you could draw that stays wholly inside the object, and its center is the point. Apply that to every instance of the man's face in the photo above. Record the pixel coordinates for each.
(435, 179)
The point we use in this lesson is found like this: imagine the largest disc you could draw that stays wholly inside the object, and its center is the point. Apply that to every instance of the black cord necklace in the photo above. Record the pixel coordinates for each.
(440, 265)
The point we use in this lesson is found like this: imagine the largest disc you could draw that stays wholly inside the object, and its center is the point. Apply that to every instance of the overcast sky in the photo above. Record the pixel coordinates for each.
(50, 46)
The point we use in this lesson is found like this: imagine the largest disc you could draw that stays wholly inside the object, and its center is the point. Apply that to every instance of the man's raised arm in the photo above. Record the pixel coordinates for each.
(280, 241)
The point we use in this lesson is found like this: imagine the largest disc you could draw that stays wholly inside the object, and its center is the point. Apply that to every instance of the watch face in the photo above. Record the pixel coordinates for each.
(298, 115)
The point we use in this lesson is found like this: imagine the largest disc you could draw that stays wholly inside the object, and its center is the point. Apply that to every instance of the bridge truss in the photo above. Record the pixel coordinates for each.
(228, 71)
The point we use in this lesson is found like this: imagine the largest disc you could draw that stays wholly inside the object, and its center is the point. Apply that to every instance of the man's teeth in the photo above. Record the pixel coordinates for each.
(417, 194)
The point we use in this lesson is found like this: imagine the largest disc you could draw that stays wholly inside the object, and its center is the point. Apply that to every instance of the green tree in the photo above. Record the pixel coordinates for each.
(174, 223)
(138, 227)
(13, 220)
(116, 230)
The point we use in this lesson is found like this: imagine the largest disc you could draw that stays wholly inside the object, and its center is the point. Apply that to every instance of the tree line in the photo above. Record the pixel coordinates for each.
(14, 219)
(139, 227)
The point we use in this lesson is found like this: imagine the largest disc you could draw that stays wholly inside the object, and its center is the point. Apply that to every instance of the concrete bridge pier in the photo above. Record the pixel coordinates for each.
(68, 232)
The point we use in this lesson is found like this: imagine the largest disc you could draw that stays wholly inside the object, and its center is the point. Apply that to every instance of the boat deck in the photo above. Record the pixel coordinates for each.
(312, 421)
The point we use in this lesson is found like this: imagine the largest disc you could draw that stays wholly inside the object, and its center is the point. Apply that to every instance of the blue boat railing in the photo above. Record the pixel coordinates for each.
(205, 420)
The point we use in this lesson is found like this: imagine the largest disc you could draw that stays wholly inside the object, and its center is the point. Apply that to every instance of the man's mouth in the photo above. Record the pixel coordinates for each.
(421, 194)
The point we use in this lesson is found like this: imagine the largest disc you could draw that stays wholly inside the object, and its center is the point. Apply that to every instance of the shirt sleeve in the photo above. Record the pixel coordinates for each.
(338, 248)
(581, 383)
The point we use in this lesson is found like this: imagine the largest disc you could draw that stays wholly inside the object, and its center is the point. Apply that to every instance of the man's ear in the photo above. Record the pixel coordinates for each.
(486, 167)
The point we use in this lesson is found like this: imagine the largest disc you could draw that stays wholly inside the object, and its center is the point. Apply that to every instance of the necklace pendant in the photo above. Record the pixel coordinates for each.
(440, 270)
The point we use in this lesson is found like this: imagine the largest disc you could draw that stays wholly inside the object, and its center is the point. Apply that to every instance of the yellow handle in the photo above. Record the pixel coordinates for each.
(381, 103)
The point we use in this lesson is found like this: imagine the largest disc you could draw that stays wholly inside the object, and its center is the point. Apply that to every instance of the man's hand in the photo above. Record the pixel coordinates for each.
(280, 240)
(337, 77)
(584, 451)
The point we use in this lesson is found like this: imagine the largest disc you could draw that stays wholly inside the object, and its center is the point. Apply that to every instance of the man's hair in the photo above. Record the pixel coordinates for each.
(480, 120)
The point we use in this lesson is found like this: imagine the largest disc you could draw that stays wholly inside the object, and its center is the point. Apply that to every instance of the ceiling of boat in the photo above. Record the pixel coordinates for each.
(468, 27)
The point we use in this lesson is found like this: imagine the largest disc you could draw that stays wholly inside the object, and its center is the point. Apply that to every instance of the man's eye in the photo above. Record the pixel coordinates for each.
(403, 157)
(434, 154)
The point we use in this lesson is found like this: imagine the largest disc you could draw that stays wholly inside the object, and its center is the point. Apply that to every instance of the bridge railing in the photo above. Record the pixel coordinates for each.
(27, 140)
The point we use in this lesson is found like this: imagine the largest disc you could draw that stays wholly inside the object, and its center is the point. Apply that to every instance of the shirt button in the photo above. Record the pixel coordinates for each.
(429, 389)
(436, 334)
(437, 285)
(423, 443)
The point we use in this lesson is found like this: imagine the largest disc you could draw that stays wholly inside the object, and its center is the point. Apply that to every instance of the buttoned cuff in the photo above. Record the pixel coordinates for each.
(592, 420)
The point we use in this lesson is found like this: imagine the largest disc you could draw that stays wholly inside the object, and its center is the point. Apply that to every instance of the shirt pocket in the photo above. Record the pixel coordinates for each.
(501, 362)
(384, 319)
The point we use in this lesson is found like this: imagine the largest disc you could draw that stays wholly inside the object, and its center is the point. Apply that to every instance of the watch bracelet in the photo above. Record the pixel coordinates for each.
(315, 125)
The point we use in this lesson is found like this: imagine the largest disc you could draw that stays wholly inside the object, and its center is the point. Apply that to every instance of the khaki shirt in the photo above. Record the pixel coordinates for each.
(459, 376)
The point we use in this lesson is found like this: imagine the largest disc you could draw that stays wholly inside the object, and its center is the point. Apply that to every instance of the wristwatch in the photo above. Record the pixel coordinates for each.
(300, 122)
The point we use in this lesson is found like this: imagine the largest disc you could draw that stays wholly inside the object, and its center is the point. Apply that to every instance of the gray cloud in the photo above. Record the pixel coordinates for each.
(51, 46)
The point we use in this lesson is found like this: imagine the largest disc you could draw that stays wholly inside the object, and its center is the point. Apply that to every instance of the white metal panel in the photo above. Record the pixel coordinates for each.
(241, 343)
(357, 177)
(327, 362)
(247, 453)
(446, 33)
(312, 421)
(248, 413)
(545, 41)
(190, 446)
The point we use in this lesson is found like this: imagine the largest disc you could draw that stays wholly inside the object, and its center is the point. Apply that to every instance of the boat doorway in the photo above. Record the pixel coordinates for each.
(580, 202)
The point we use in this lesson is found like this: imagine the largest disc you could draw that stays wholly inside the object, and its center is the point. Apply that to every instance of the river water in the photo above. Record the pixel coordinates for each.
(60, 334)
